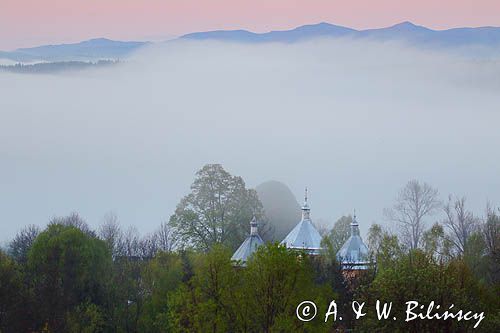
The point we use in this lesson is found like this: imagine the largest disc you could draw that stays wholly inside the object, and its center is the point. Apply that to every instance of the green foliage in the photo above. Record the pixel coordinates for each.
(11, 295)
(217, 210)
(205, 302)
(259, 298)
(85, 318)
(417, 276)
(436, 243)
(339, 234)
(162, 276)
(491, 231)
(389, 252)
(67, 268)
(126, 294)
(375, 235)
(276, 280)
(21, 244)
(66, 280)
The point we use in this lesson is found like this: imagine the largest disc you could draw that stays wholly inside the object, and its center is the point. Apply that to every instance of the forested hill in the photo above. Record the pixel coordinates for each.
(55, 67)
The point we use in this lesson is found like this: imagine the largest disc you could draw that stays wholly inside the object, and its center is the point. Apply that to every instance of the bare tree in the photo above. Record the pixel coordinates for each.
(148, 246)
(73, 220)
(413, 204)
(491, 231)
(21, 244)
(110, 231)
(460, 222)
(166, 237)
(129, 245)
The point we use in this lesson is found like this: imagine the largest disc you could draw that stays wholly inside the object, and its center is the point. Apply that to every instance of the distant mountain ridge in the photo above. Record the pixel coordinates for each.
(289, 36)
(405, 31)
(92, 49)
(419, 36)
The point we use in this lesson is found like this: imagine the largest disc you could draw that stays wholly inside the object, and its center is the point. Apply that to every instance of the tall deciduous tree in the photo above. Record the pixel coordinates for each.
(111, 232)
(460, 222)
(375, 235)
(166, 237)
(73, 220)
(414, 203)
(14, 316)
(417, 276)
(436, 244)
(339, 234)
(21, 244)
(206, 302)
(491, 235)
(276, 280)
(68, 267)
(217, 210)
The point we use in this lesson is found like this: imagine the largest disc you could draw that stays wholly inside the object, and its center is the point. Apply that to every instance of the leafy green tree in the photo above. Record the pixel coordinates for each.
(14, 315)
(162, 276)
(21, 244)
(85, 318)
(206, 302)
(216, 211)
(276, 280)
(327, 272)
(417, 276)
(390, 251)
(67, 267)
(73, 220)
(436, 243)
(491, 232)
(340, 232)
(128, 293)
(375, 235)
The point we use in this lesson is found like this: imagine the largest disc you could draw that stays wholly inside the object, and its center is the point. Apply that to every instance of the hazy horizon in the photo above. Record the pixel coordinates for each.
(352, 121)
(31, 22)
(170, 37)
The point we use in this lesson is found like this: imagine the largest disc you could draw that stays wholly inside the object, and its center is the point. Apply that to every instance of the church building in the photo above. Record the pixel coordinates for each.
(353, 256)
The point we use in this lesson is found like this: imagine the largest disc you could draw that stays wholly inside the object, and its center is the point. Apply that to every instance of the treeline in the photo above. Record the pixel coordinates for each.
(71, 278)
(55, 67)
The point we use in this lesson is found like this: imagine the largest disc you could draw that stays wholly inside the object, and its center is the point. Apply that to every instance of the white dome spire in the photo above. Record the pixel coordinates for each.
(305, 208)
(254, 227)
(304, 236)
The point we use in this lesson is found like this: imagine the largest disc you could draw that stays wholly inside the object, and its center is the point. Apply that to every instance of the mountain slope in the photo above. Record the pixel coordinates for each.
(288, 36)
(93, 49)
(405, 31)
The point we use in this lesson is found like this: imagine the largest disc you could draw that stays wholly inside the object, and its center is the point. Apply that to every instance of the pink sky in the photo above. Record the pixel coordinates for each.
(26, 23)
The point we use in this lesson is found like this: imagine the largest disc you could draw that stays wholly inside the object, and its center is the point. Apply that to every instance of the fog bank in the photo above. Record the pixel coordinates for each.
(353, 121)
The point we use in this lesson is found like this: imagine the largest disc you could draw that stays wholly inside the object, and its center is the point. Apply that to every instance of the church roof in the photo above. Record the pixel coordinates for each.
(249, 245)
(304, 235)
(354, 252)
